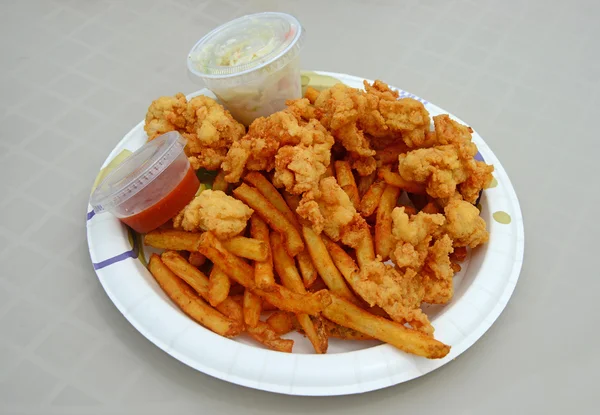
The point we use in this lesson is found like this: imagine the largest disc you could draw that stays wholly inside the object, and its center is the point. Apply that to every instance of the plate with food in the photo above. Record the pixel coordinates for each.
(306, 233)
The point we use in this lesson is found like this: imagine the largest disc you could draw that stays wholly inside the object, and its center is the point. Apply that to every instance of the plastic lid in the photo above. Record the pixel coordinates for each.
(137, 171)
(245, 44)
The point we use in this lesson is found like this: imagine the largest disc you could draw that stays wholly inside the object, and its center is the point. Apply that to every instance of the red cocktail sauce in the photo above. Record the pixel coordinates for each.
(166, 208)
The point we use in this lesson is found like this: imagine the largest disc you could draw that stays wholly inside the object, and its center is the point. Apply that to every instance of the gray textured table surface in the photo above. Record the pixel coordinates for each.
(77, 75)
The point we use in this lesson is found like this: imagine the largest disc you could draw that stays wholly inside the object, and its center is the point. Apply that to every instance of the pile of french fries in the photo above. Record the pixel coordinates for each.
(285, 277)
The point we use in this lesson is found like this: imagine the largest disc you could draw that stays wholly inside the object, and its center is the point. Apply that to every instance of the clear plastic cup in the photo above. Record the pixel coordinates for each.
(251, 63)
(150, 186)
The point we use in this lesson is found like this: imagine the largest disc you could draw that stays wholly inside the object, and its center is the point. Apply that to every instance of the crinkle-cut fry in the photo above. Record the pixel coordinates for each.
(218, 286)
(384, 243)
(219, 183)
(230, 307)
(269, 213)
(389, 154)
(370, 201)
(266, 188)
(346, 180)
(290, 278)
(344, 333)
(346, 314)
(200, 283)
(243, 273)
(364, 182)
(173, 240)
(252, 306)
(395, 179)
(196, 259)
(281, 322)
(249, 248)
(189, 301)
(265, 334)
(325, 266)
(270, 192)
(263, 270)
(430, 208)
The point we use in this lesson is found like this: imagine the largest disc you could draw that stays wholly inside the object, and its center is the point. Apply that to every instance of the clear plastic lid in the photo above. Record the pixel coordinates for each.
(263, 40)
(137, 171)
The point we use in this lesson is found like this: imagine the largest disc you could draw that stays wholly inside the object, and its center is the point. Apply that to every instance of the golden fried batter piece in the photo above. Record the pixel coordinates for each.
(331, 211)
(464, 225)
(214, 211)
(399, 293)
(257, 150)
(165, 114)
(298, 168)
(208, 127)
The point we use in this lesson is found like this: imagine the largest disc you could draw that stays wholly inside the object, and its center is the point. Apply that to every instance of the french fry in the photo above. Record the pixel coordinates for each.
(264, 186)
(396, 180)
(218, 286)
(430, 208)
(270, 193)
(290, 278)
(177, 240)
(346, 314)
(173, 240)
(265, 334)
(364, 182)
(325, 266)
(249, 248)
(197, 259)
(241, 272)
(345, 179)
(371, 199)
(267, 306)
(389, 155)
(189, 302)
(269, 213)
(252, 306)
(229, 307)
(281, 322)
(200, 283)
(384, 243)
(263, 270)
(346, 265)
(365, 251)
(219, 183)
(341, 332)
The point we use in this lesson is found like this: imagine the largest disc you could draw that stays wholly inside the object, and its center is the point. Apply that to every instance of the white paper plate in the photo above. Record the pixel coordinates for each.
(482, 290)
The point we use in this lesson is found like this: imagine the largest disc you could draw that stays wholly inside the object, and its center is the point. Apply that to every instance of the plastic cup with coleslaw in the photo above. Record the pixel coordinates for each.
(251, 63)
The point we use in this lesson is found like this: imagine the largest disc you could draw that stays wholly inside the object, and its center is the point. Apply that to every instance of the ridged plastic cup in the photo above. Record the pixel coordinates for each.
(251, 63)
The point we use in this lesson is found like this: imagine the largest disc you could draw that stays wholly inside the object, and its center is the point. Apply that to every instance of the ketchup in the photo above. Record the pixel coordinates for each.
(167, 207)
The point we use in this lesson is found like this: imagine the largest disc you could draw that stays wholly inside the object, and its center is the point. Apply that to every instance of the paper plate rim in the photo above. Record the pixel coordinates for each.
(366, 365)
